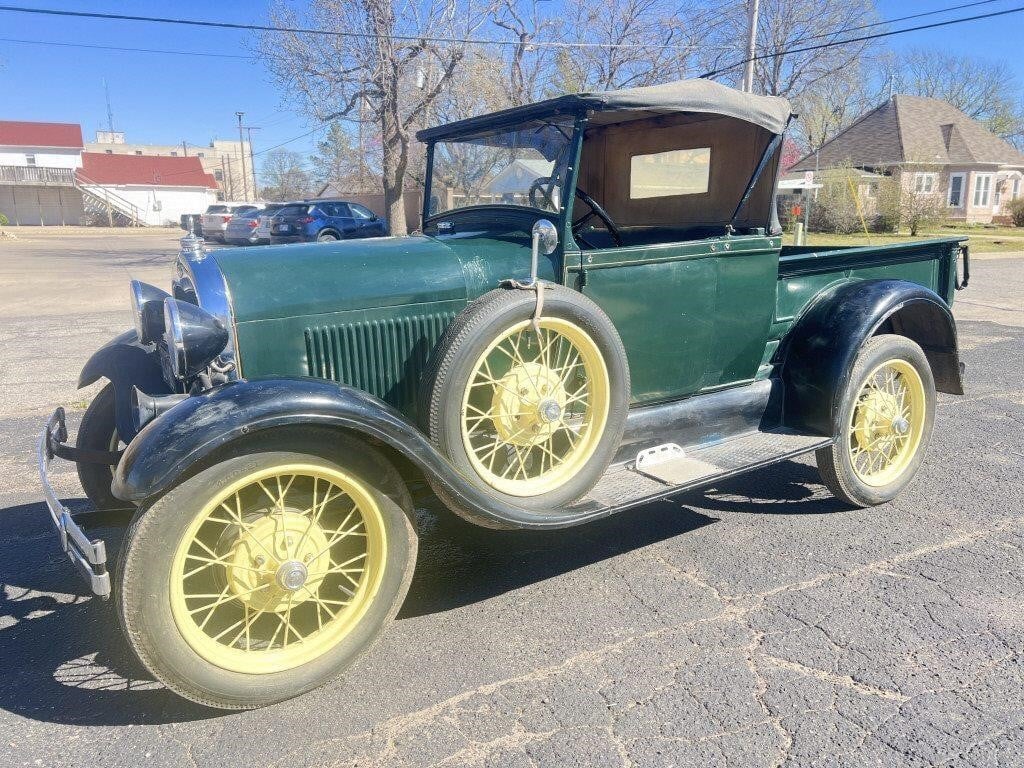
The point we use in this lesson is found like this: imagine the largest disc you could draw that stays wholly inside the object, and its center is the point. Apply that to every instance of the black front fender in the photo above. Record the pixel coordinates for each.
(181, 439)
(820, 351)
(125, 362)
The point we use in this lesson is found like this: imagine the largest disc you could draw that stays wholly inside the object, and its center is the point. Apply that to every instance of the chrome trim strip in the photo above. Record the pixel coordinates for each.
(88, 555)
(212, 292)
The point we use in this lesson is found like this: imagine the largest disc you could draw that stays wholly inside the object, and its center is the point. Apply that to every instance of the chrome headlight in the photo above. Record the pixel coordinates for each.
(194, 337)
(148, 311)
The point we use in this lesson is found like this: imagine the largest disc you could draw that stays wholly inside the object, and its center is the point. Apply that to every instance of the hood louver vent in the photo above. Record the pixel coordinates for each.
(383, 357)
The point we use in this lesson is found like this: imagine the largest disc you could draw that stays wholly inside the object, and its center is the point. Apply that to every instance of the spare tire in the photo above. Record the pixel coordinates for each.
(531, 415)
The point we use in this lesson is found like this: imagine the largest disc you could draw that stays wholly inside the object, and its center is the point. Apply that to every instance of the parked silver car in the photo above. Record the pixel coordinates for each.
(242, 228)
(263, 228)
(216, 218)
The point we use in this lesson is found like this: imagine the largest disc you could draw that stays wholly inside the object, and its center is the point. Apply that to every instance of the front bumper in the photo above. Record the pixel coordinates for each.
(88, 555)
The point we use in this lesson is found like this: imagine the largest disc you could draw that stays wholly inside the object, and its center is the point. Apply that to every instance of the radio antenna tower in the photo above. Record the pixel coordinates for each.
(110, 113)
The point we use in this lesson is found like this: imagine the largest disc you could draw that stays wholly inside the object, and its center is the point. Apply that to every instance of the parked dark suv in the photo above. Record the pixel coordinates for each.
(323, 220)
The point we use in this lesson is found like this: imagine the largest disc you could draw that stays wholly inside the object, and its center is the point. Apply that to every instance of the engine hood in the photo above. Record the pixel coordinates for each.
(286, 281)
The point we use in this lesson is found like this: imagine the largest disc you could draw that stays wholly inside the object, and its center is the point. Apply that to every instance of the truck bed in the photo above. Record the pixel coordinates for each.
(804, 271)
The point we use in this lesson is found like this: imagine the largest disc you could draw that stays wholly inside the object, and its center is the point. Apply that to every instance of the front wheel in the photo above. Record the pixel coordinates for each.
(885, 422)
(98, 432)
(267, 574)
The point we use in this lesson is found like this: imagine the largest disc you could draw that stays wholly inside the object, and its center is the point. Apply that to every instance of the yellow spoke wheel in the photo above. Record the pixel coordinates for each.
(887, 422)
(535, 406)
(278, 568)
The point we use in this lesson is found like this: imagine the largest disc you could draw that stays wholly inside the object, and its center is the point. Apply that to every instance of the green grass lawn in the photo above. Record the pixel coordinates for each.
(983, 239)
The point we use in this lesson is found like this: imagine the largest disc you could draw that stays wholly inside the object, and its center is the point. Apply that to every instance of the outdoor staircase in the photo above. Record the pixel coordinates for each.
(107, 206)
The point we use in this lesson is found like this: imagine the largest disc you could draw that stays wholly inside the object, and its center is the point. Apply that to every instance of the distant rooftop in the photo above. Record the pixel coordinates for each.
(18, 133)
(913, 129)
(153, 170)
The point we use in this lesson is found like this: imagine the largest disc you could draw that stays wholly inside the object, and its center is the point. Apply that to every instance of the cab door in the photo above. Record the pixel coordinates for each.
(693, 316)
(661, 299)
(748, 274)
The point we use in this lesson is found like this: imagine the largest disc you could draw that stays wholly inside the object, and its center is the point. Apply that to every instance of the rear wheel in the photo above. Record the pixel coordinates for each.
(267, 574)
(885, 422)
(98, 432)
(326, 237)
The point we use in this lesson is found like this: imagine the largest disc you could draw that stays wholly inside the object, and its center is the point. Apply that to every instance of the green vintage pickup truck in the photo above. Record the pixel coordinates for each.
(598, 311)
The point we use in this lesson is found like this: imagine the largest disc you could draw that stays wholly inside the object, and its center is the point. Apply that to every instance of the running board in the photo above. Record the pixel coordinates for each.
(669, 469)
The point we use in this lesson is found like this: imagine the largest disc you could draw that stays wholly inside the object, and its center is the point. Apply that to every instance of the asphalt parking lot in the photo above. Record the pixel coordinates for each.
(758, 623)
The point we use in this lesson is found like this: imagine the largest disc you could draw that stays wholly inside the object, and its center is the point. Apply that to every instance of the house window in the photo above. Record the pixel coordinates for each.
(109, 151)
(201, 154)
(30, 160)
(676, 172)
(982, 190)
(138, 151)
(1016, 188)
(174, 153)
(998, 193)
(956, 190)
(218, 175)
(924, 183)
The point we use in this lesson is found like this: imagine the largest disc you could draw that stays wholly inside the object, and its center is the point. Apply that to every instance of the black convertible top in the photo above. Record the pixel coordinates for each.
(696, 96)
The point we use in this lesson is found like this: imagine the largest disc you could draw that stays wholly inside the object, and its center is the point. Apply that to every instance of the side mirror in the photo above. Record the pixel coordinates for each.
(545, 236)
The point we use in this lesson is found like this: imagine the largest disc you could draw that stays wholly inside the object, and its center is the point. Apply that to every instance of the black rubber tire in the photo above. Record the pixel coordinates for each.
(465, 340)
(142, 594)
(98, 432)
(834, 463)
(327, 237)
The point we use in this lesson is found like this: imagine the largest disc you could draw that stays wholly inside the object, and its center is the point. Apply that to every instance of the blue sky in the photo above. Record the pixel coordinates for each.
(164, 99)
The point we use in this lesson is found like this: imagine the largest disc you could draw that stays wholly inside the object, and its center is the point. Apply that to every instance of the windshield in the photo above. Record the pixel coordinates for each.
(521, 165)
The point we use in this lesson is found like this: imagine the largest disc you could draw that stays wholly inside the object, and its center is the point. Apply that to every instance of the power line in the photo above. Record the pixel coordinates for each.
(326, 32)
(862, 38)
(884, 22)
(128, 50)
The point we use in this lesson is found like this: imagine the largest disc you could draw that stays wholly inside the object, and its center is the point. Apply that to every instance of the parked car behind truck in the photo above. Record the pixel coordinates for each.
(323, 221)
(215, 220)
(624, 327)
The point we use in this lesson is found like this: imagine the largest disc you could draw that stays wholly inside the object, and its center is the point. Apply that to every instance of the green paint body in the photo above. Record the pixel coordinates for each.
(694, 317)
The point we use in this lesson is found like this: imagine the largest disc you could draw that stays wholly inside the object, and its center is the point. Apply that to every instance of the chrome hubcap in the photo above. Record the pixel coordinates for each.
(550, 411)
(292, 575)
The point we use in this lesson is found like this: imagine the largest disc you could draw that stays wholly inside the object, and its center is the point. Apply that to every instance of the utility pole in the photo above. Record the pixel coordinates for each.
(748, 70)
(184, 148)
(252, 160)
(241, 152)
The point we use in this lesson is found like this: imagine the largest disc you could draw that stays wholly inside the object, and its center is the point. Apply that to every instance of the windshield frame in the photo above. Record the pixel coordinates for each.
(572, 153)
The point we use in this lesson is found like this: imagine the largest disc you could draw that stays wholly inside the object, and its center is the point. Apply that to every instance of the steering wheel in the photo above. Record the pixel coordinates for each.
(544, 189)
(601, 213)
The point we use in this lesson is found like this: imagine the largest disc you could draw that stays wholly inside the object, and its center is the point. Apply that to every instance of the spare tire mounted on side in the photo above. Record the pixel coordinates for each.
(530, 412)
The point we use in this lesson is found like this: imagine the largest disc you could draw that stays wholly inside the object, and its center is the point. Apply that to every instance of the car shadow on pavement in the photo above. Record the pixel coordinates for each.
(786, 488)
(62, 653)
(65, 660)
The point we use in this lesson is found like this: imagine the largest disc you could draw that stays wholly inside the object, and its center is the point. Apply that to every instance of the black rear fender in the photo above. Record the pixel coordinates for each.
(819, 352)
(189, 436)
(125, 363)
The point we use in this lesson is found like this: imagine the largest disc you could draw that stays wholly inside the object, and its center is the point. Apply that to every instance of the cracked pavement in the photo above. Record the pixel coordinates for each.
(758, 623)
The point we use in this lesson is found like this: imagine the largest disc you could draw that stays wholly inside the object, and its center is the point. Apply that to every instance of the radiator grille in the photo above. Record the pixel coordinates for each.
(384, 357)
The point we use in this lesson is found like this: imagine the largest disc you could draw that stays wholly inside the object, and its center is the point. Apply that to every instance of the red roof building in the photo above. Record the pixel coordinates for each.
(16, 133)
(149, 170)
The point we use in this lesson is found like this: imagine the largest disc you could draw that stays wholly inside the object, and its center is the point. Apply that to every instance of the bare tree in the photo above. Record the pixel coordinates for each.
(626, 43)
(285, 176)
(786, 25)
(378, 73)
(833, 104)
(982, 89)
(527, 63)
